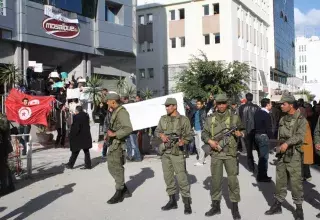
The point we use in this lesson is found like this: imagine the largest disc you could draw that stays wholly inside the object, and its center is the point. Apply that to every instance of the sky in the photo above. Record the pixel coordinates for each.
(307, 17)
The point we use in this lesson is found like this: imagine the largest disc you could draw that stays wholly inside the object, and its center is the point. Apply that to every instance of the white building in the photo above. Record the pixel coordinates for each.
(171, 31)
(307, 60)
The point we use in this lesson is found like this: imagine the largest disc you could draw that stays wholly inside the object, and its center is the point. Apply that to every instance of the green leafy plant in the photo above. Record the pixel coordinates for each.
(307, 93)
(9, 75)
(121, 83)
(147, 93)
(203, 77)
(94, 83)
(129, 91)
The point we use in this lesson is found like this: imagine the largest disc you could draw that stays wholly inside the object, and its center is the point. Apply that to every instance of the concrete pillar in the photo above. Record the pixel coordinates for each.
(83, 66)
(25, 61)
(17, 59)
(89, 67)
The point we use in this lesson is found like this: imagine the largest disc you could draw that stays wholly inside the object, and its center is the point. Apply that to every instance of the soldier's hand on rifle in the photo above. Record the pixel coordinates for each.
(318, 146)
(164, 138)
(213, 144)
(238, 133)
(283, 147)
(111, 133)
(181, 142)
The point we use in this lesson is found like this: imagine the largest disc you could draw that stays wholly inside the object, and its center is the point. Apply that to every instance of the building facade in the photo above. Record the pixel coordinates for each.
(283, 47)
(93, 37)
(170, 32)
(307, 68)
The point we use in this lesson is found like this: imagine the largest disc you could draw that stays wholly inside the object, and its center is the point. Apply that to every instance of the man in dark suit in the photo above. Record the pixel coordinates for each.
(80, 138)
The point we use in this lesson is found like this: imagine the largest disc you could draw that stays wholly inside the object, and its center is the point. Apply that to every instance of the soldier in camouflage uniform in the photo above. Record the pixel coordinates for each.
(6, 182)
(119, 129)
(173, 160)
(227, 156)
(292, 129)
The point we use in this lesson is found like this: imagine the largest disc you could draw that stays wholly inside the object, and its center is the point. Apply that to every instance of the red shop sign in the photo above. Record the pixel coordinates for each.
(60, 29)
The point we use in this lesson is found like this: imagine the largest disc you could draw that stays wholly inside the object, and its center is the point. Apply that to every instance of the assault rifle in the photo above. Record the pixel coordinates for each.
(280, 154)
(173, 140)
(222, 135)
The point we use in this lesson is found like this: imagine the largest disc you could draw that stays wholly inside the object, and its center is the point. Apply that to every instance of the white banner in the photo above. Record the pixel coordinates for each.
(60, 15)
(147, 113)
(73, 93)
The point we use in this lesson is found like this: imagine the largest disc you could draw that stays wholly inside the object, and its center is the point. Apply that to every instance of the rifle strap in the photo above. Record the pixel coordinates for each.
(114, 116)
(213, 122)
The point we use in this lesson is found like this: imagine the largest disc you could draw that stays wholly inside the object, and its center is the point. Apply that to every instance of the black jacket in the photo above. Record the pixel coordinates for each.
(246, 113)
(80, 136)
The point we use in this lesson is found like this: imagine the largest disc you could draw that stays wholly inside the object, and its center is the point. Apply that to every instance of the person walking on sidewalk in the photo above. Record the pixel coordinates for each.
(292, 129)
(224, 153)
(119, 129)
(61, 125)
(80, 138)
(263, 133)
(197, 123)
(246, 113)
(173, 159)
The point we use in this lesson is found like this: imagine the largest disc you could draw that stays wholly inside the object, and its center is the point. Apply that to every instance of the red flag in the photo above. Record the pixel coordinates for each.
(35, 112)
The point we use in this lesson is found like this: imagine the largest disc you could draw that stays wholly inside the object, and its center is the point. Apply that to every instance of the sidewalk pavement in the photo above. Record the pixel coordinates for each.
(56, 193)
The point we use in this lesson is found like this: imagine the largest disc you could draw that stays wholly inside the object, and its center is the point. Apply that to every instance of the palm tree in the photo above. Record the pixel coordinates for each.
(94, 90)
(129, 91)
(121, 83)
(147, 93)
(9, 75)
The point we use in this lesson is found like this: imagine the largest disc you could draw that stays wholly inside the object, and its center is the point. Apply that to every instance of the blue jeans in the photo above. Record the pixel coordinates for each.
(132, 147)
(262, 141)
(24, 129)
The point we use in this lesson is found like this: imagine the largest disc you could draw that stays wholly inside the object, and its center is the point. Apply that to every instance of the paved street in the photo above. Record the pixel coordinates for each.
(56, 193)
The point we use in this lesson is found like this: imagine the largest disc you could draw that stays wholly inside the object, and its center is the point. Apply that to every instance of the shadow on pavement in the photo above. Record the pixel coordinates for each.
(39, 203)
(208, 186)
(268, 190)
(138, 179)
(311, 195)
(94, 162)
(41, 174)
(243, 162)
(192, 179)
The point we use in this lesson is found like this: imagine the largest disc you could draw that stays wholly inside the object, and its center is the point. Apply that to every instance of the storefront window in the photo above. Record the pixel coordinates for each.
(3, 7)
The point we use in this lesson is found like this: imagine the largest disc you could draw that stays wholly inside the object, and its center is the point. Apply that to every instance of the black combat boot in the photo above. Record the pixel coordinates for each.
(215, 210)
(172, 204)
(125, 192)
(299, 213)
(235, 211)
(274, 209)
(187, 205)
(116, 198)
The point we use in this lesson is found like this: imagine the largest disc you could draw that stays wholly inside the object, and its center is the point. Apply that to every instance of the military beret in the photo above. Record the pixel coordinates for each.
(287, 98)
(221, 98)
(113, 96)
(171, 101)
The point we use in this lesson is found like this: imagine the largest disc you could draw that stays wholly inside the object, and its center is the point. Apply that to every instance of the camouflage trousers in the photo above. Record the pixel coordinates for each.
(294, 171)
(175, 165)
(116, 160)
(231, 165)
